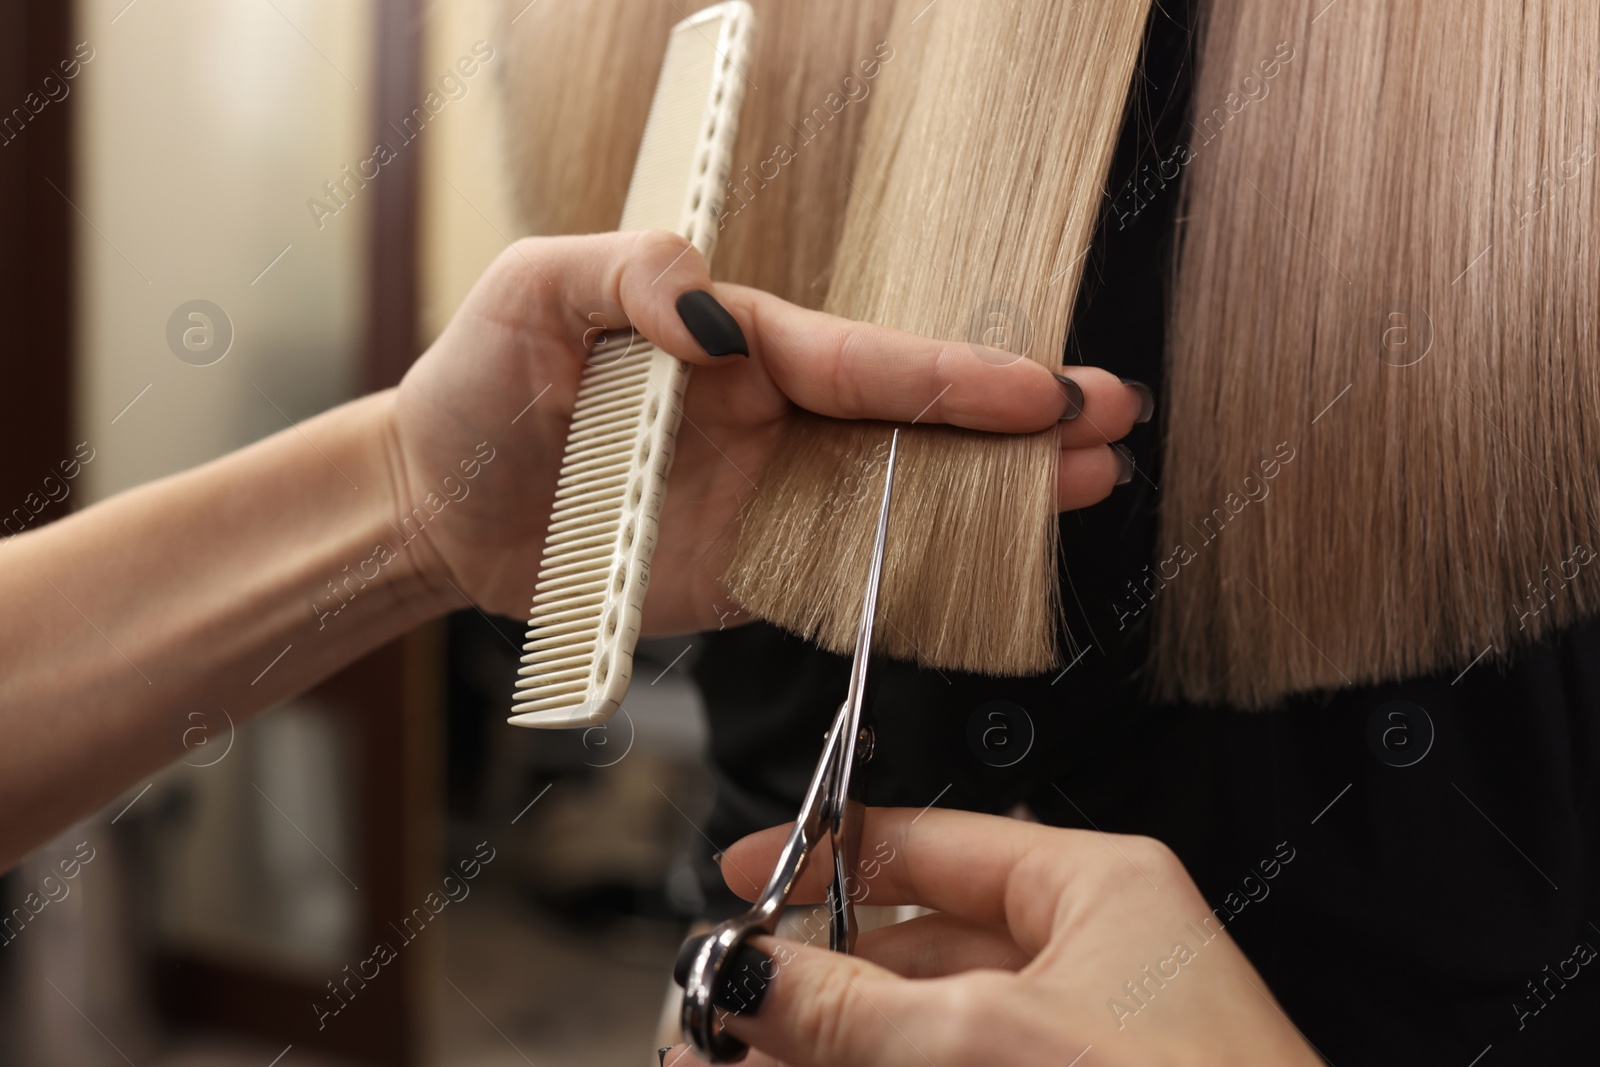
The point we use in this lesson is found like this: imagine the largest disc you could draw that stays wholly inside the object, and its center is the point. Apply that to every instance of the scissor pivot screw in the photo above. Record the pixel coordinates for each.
(866, 742)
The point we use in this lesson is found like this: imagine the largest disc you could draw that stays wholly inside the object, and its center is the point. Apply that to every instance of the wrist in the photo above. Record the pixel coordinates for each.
(419, 577)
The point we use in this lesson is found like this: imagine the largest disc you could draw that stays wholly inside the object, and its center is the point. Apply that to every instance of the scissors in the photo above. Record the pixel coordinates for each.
(832, 811)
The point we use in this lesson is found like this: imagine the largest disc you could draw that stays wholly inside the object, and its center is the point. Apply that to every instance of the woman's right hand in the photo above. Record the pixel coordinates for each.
(1048, 946)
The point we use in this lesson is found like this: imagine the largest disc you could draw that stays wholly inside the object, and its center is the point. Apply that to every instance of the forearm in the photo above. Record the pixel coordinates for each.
(233, 586)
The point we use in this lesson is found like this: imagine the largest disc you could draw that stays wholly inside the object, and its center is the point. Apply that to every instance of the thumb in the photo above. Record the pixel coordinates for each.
(661, 285)
(666, 291)
(825, 1009)
(591, 288)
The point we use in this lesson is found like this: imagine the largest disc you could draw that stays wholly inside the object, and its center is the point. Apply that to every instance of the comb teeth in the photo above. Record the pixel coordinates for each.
(602, 535)
(587, 604)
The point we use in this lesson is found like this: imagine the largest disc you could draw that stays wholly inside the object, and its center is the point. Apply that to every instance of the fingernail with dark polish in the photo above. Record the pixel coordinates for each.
(686, 955)
(1074, 397)
(1147, 399)
(661, 1054)
(744, 981)
(717, 331)
(1125, 464)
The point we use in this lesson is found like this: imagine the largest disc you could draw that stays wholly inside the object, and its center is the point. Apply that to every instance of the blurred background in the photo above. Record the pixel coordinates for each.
(201, 242)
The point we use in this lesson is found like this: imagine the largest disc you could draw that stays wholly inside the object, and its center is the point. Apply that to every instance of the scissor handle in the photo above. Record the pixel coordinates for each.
(710, 966)
(708, 970)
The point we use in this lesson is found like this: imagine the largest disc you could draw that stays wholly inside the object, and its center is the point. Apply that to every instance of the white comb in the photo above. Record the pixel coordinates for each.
(588, 601)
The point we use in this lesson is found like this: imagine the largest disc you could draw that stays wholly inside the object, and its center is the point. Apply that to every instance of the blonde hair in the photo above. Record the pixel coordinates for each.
(1381, 456)
(576, 84)
(1377, 456)
(969, 202)
(578, 90)
(974, 201)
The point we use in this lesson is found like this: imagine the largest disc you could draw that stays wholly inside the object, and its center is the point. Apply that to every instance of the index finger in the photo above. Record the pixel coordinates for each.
(826, 364)
(858, 370)
(981, 868)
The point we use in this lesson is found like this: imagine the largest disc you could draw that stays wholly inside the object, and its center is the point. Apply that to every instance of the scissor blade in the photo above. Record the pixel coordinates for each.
(847, 790)
(869, 605)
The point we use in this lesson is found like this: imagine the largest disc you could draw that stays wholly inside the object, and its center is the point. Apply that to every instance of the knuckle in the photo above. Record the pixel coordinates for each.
(518, 263)
(855, 347)
(972, 1007)
(824, 1016)
(659, 247)
(943, 376)
(525, 246)
(1154, 858)
(512, 283)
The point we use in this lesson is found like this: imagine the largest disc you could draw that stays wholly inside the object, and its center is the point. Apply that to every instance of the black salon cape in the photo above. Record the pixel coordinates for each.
(1440, 903)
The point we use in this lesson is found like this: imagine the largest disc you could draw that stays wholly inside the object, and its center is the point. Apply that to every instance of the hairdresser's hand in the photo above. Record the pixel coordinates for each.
(1041, 935)
(480, 421)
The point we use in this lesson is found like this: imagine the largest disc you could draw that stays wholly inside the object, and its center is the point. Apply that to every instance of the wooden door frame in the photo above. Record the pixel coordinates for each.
(37, 231)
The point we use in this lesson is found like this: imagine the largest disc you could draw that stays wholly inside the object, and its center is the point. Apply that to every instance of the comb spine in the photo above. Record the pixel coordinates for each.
(582, 630)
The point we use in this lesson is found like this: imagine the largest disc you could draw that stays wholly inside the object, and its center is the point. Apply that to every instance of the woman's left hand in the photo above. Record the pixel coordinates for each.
(494, 394)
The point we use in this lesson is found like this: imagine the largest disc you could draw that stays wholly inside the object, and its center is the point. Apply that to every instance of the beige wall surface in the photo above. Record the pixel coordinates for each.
(205, 127)
(467, 218)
